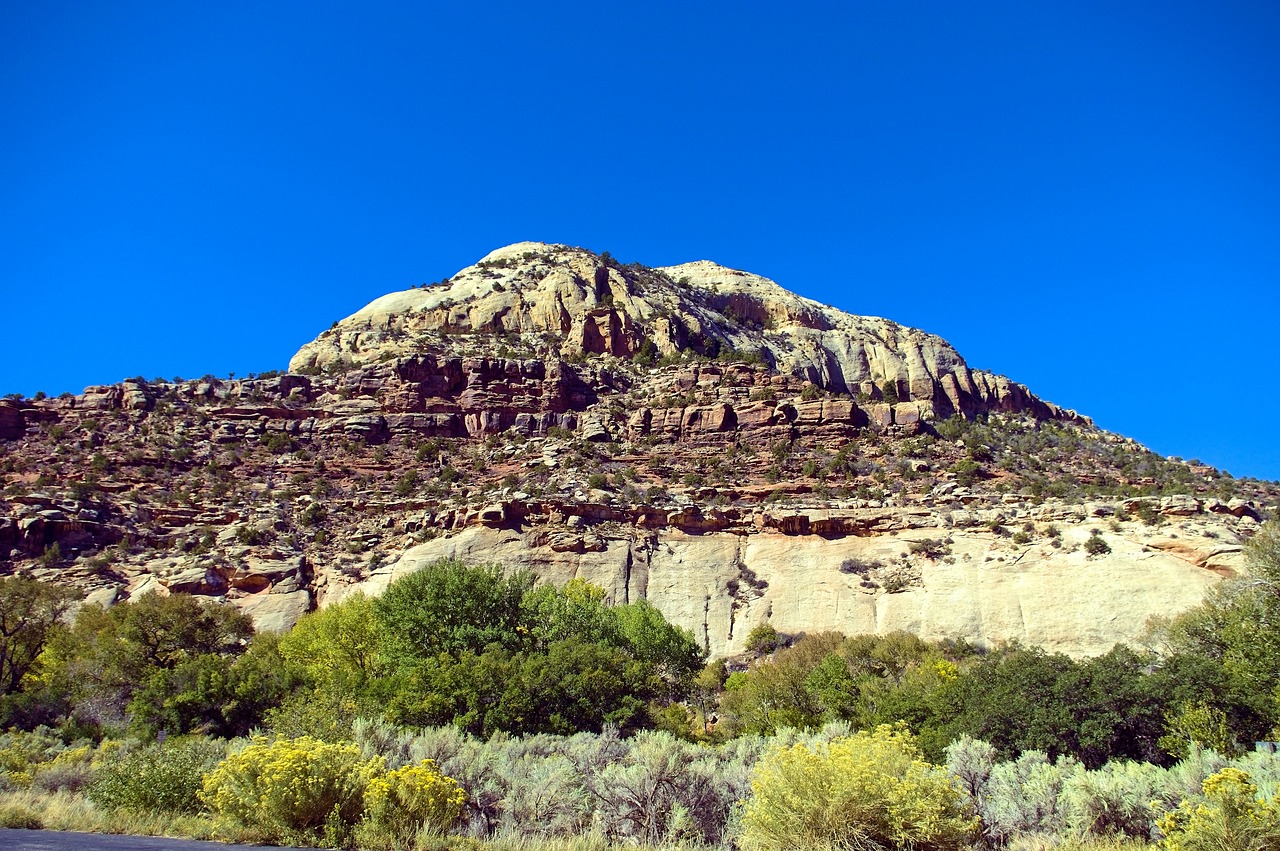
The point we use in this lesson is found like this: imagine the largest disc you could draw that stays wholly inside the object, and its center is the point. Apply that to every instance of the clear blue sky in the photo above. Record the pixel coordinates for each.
(1084, 196)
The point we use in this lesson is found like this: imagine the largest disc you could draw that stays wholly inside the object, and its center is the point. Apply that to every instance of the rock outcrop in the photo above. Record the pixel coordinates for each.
(941, 575)
(12, 422)
(572, 302)
(719, 585)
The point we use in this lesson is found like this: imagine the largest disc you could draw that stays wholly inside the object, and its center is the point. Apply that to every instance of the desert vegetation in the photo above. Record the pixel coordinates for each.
(468, 705)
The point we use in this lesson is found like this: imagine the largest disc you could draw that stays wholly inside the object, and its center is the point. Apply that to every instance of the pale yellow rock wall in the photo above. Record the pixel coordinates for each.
(989, 593)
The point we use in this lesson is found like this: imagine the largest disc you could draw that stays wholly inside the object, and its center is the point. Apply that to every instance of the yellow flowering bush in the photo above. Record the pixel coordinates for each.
(408, 799)
(1230, 818)
(870, 790)
(292, 785)
(21, 753)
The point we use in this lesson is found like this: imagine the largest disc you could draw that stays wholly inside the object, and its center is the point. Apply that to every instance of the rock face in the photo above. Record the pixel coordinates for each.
(693, 435)
(575, 302)
(12, 422)
(801, 575)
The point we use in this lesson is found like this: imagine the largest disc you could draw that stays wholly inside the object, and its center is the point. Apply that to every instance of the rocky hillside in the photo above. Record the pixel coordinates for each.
(694, 435)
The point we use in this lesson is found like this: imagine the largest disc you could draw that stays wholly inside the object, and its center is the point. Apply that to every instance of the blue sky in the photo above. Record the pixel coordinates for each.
(1083, 196)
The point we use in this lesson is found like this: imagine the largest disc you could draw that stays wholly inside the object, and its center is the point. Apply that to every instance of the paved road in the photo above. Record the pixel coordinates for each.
(50, 840)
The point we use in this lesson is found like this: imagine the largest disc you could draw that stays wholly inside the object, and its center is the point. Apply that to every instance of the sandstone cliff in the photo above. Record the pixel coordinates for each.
(573, 302)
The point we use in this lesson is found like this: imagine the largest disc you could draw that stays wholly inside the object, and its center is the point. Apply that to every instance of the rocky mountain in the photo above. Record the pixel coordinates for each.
(693, 435)
(567, 302)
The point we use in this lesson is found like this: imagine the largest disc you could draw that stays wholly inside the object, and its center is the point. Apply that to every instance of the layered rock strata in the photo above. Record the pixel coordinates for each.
(692, 435)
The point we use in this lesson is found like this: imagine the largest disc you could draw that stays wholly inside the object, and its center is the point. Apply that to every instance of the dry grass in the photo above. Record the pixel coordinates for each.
(428, 842)
(70, 811)
(1050, 843)
(33, 809)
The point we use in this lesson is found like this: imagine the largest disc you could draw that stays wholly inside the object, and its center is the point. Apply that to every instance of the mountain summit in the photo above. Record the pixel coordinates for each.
(572, 303)
(691, 435)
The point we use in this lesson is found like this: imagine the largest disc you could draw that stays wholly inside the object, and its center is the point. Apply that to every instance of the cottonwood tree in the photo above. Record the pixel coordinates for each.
(30, 613)
(159, 660)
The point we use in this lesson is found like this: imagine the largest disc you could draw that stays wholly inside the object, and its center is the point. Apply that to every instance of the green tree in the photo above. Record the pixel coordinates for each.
(705, 695)
(1235, 629)
(165, 631)
(763, 638)
(259, 680)
(771, 696)
(459, 690)
(834, 686)
(449, 607)
(141, 660)
(577, 686)
(575, 610)
(1012, 700)
(30, 614)
(1026, 699)
(186, 697)
(1198, 725)
(651, 638)
(337, 648)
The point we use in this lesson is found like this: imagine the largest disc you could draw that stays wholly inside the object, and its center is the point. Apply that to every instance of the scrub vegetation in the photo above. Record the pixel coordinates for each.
(467, 708)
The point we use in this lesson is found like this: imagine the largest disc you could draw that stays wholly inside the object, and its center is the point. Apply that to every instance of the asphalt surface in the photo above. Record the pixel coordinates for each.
(51, 840)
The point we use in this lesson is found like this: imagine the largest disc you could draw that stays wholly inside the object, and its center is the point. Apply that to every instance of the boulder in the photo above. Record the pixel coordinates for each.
(205, 580)
(275, 612)
(1243, 508)
(1179, 505)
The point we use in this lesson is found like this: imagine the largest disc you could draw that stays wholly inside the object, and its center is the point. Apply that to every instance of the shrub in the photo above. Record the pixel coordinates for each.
(163, 777)
(967, 471)
(291, 786)
(69, 771)
(869, 790)
(412, 798)
(931, 548)
(1023, 796)
(764, 638)
(52, 555)
(1192, 725)
(860, 566)
(1096, 546)
(1114, 800)
(1230, 818)
(970, 762)
(408, 483)
(313, 514)
(1149, 514)
(254, 535)
(21, 753)
(277, 442)
(661, 792)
